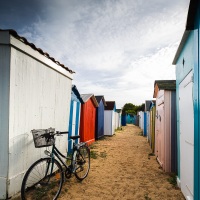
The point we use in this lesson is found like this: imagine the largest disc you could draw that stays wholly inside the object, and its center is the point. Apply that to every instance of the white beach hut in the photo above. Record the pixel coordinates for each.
(35, 93)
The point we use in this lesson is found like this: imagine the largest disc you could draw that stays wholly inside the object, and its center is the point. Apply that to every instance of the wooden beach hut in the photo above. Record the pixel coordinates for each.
(35, 93)
(165, 136)
(123, 119)
(141, 119)
(74, 119)
(100, 117)
(88, 118)
(147, 124)
(188, 105)
(152, 125)
(109, 118)
(119, 117)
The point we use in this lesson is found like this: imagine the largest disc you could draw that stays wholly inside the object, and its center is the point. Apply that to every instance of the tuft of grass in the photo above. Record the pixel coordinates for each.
(93, 154)
(140, 133)
(92, 146)
(118, 129)
(103, 154)
(172, 179)
(146, 197)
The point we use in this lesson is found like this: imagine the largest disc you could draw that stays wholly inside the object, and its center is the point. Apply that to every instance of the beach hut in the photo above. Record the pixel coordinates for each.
(129, 118)
(123, 119)
(165, 136)
(88, 118)
(147, 111)
(74, 119)
(148, 126)
(147, 120)
(118, 116)
(188, 104)
(35, 93)
(141, 119)
(152, 125)
(109, 118)
(100, 117)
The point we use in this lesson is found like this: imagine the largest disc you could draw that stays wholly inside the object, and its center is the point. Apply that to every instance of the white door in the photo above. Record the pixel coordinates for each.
(186, 135)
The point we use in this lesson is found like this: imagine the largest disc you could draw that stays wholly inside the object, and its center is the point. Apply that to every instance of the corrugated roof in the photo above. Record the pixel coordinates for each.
(99, 98)
(86, 97)
(166, 84)
(110, 105)
(25, 41)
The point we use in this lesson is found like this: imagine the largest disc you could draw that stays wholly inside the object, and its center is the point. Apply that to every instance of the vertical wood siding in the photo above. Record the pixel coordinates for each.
(39, 98)
(87, 122)
(4, 117)
(100, 120)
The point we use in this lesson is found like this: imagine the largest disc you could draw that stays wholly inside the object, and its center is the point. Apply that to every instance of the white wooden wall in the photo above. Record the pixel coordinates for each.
(109, 122)
(141, 120)
(39, 98)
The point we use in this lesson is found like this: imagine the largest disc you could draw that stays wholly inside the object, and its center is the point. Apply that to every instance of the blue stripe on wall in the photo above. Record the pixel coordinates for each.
(77, 119)
(145, 124)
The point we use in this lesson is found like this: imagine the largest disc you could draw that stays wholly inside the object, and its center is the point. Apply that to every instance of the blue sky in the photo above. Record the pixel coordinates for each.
(117, 48)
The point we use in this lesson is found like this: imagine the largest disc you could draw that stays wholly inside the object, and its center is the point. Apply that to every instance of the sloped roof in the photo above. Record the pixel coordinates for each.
(118, 110)
(164, 85)
(191, 14)
(110, 105)
(99, 98)
(76, 92)
(86, 97)
(189, 26)
(25, 41)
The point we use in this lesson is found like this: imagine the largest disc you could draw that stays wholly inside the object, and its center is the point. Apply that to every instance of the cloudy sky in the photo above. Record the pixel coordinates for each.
(117, 48)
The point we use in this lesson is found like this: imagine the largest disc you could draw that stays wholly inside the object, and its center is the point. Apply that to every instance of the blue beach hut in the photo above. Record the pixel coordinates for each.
(100, 117)
(123, 119)
(188, 104)
(74, 119)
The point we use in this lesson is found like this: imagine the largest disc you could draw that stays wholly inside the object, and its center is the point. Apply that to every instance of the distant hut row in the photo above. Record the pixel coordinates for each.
(172, 123)
(91, 117)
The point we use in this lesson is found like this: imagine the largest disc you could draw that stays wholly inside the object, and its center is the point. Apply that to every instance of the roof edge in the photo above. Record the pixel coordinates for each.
(25, 41)
(191, 14)
(181, 45)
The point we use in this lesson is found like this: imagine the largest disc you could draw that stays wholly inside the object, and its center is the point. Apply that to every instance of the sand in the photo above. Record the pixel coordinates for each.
(123, 169)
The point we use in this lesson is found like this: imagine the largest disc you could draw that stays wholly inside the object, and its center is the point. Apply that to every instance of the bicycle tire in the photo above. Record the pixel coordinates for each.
(82, 162)
(37, 184)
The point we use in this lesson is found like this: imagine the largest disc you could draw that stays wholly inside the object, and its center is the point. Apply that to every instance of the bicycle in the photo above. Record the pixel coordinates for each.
(45, 177)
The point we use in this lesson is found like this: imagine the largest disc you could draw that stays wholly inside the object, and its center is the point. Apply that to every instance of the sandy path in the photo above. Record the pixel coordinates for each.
(123, 170)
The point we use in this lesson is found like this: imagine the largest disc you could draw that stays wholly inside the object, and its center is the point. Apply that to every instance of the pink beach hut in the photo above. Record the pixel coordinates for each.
(165, 124)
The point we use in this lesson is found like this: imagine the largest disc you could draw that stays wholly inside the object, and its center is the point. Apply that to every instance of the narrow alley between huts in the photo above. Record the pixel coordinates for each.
(123, 167)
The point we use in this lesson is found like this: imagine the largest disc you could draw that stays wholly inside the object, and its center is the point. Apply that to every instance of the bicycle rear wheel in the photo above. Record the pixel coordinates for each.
(82, 163)
(43, 180)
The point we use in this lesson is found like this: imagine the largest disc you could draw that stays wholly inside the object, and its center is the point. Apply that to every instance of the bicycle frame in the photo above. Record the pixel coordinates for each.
(56, 153)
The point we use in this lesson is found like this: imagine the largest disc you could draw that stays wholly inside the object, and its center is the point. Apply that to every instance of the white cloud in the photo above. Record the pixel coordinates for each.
(117, 48)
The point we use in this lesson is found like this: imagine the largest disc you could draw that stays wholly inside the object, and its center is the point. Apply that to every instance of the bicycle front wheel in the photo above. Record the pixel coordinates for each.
(82, 162)
(43, 180)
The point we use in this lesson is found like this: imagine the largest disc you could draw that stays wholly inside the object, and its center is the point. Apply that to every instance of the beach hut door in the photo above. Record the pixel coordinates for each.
(186, 135)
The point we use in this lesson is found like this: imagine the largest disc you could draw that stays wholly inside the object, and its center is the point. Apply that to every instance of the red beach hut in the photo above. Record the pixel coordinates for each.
(88, 118)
